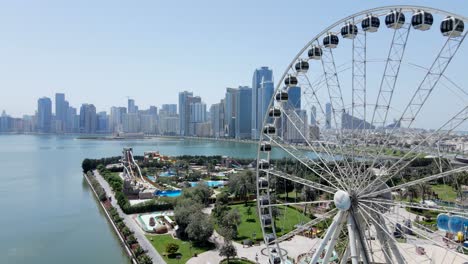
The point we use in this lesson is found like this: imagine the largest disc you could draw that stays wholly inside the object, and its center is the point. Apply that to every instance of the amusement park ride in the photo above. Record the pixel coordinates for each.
(365, 221)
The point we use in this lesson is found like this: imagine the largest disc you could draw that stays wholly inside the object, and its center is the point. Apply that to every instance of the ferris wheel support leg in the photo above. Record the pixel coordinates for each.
(332, 229)
(352, 240)
(383, 242)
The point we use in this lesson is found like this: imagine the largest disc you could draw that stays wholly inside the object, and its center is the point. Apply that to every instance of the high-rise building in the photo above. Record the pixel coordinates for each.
(88, 119)
(261, 76)
(131, 123)
(116, 119)
(44, 115)
(61, 109)
(102, 122)
(171, 109)
(73, 120)
(313, 115)
(328, 115)
(6, 123)
(243, 113)
(197, 114)
(294, 97)
(132, 108)
(265, 93)
(215, 120)
(296, 132)
(230, 112)
(350, 122)
(168, 121)
(183, 109)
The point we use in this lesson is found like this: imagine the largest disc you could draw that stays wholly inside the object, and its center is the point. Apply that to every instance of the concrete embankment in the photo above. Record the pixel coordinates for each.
(122, 240)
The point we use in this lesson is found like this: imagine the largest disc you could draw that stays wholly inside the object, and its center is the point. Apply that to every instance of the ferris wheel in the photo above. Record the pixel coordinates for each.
(344, 175)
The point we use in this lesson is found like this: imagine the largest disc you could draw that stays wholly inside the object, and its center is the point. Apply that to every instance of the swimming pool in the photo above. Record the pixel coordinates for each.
(168, 193)
(211, 184)
(152, 178)
(167, 174)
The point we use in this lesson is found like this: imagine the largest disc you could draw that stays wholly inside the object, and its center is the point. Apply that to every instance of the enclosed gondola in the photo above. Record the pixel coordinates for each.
(274, 112)
(395, 20)
(331, 41)
(265, 147)
(282, 96)
(269, 130)
(290, 80)
(349, 31)
(422, 20)
(315, 53)
(302, 66)
(452, 27)
(370, 23)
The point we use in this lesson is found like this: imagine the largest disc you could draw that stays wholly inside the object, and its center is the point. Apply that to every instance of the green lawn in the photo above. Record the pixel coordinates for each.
(445, 192)
(160, 241)
(251, 224)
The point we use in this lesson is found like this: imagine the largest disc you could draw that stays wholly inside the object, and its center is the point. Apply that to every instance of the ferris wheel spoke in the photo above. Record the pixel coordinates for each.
(402, 204)
(418, 232)
(429, 82)
(386, 240)
(293, 119)
(298, 155)
(302, 181)
(396, 167)
(306, 226)
(419, 181)
(298, 203)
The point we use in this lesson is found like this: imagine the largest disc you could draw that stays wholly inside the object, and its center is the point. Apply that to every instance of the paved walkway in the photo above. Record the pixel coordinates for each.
(131, 224)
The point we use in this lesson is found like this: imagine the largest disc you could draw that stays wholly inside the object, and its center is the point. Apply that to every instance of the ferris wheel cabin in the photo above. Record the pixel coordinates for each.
(290, 80)
(452, 27)
(302, 66)
(395, 20)
(370, 24)
(349, 31)
(315, 53)
(422, 20)
(331, 41)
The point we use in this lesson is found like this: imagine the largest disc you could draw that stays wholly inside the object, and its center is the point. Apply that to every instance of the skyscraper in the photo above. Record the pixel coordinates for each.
(328, 115)
(171, 109)
(88, 119)
(116, 119)
(61, 109)
(294, 97)
(182, 112)
(261, 75)
(230, 113)
(73, 121)
(132, 108)
(44, 115)
(265, 93)
(196, 113)
(243, 113)
(313, 115)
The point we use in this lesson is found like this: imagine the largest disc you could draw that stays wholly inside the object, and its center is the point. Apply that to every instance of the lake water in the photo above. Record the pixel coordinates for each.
(48, 212)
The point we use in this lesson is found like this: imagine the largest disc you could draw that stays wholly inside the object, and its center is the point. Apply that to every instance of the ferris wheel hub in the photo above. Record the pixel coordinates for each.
(342, 200)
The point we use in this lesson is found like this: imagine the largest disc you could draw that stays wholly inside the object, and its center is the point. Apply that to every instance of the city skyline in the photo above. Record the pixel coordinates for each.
(113, 58)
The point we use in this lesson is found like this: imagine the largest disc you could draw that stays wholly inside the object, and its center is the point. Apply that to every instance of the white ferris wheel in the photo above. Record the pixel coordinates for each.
(340, 153)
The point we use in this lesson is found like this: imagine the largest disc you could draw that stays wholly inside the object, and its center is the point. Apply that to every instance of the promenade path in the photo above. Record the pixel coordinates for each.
(131, 224)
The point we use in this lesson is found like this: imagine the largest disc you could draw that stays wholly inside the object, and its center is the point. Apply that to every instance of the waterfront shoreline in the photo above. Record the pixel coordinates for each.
(116, 230)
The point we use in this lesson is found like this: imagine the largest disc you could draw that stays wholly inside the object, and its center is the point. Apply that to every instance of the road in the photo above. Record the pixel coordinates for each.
(131, 224)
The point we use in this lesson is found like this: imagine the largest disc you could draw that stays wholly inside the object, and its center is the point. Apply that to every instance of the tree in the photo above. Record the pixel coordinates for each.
(126, 231)
(249, 211)
(172, 248)
(200, 227)
(183, 211)
(144, 259)
(138, 251)
(231, 221)
(228, 250)
(131, 239)
(308, 194)
(425, 189)
(412, 191)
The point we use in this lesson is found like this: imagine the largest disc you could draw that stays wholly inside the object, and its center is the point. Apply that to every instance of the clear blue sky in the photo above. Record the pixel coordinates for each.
(102, 51)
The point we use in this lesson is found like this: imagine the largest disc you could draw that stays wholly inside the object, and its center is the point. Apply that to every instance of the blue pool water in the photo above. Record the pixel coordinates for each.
(211, 184)
(168, 193)
(151, 178)
(167, 174)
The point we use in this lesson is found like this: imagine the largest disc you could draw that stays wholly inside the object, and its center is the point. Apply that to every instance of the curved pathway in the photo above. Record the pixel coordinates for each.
(132, 225)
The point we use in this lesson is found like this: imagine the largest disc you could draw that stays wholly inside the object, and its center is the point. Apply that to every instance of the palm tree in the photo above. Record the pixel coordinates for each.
(425, 189)
(412, 191)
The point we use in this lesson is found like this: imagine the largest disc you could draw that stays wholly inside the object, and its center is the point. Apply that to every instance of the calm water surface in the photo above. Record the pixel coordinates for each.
(48, 212)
